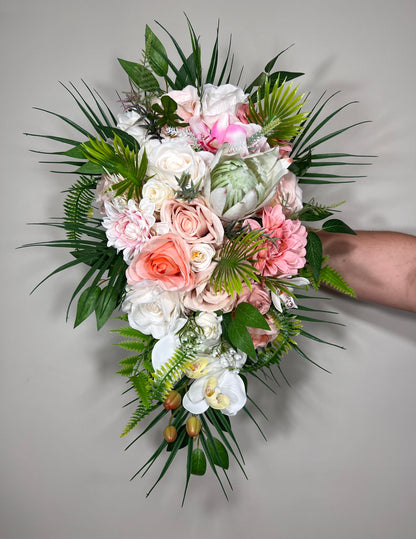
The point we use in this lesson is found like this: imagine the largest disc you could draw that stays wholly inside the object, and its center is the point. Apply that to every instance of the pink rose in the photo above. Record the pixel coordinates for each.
(187, 100)
(258, 296)
(285, 147)
(262, 337)
(165, 260)
(288, 194)
(193, 221)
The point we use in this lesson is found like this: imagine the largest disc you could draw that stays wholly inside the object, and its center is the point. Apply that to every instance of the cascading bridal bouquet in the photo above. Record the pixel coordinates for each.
(188, 216)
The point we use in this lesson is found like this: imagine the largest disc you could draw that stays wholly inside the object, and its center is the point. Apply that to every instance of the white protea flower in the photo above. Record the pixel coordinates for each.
(239, 186)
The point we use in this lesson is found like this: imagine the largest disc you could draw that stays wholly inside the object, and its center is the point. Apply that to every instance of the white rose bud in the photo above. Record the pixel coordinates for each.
(157, 191)
(210, 324)
(201, 256)
(169, 160)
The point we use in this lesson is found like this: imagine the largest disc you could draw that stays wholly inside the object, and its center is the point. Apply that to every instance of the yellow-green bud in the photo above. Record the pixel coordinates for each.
(170, 433)
(173, 400)
(193, 426)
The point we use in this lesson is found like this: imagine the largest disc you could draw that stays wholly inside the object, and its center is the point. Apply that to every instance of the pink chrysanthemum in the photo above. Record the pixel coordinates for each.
(285, 251)
(128, 228)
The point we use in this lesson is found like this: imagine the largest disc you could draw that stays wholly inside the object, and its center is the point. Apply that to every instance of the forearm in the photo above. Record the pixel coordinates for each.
(380, 266)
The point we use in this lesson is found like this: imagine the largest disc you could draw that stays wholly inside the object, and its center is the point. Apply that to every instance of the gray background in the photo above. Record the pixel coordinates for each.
(340, 456)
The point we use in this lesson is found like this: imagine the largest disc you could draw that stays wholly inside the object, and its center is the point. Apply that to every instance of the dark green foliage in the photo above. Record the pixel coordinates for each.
(289, 327)
(314, 253)
(305, 143)
(235, 327)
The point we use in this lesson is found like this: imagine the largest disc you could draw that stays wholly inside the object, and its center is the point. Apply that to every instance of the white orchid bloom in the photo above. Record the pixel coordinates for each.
(222, 390)
(165, 348)
(286, 300)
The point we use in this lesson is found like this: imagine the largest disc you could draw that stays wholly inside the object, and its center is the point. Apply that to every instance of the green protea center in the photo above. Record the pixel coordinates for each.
(236, 177)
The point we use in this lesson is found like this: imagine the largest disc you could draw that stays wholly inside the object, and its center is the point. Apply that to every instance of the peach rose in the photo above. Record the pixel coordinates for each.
(165, 260)
(258, 296)
(193, 221)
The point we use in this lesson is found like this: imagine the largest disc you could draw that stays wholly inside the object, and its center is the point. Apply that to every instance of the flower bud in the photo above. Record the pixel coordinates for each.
(193, 426)
(173, 400)
(170, 433)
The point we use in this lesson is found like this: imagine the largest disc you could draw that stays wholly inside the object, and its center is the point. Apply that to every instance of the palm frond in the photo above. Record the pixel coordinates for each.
(277, 110)
(235, 263)
(121, 160)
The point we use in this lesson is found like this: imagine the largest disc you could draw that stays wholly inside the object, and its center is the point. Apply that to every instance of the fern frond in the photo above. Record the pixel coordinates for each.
(165, 378)
(332, 278)
(77, 205)
(235, 263)
(140, 413)
(313, 211)
(328, 276)
(140, 382)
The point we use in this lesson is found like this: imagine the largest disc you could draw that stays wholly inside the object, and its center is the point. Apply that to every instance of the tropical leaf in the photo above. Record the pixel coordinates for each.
(277, 110)
(234, 265)
(121, 160)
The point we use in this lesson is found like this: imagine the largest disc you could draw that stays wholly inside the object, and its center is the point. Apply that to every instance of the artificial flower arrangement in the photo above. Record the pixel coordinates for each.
(188, 216)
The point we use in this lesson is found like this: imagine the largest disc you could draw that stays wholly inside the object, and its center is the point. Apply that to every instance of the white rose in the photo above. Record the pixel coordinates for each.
(210, 324)
(156, 191)
(169, 160)
(217, 100)
(130, 123)
(151, 310)
(201, 256)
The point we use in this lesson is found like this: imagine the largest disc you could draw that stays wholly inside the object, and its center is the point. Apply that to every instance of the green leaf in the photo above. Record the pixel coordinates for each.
(314, 254)
(199, 462)
(188, 466)
(127, 140)
(240, 338)
(87, 303)
(169, 460)
(90, 169)
(107, 302)
(300, 165)
(313, 215)
(336, 225)
(250, 316)
(218, 452)
(140, 75)
(155, 53)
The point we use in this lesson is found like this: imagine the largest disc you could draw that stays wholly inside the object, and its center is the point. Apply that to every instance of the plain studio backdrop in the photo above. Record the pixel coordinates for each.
(340, 457)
